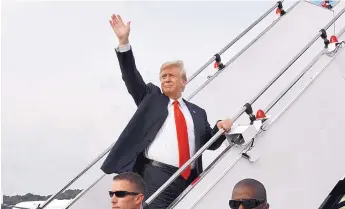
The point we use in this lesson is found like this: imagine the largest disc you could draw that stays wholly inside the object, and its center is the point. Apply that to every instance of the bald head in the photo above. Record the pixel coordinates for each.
(249, 188)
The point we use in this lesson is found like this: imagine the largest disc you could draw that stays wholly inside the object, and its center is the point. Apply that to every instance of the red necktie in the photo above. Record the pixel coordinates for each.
(182, 138)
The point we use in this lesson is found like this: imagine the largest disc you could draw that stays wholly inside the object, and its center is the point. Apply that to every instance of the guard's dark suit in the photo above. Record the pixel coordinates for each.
(126, 155)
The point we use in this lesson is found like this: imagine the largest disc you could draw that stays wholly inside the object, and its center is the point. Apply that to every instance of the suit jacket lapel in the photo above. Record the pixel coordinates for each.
(196, 122)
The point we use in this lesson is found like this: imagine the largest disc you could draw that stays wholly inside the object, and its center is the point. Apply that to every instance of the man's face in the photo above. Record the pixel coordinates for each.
(244, 192)
(127, 202)
(172, 82)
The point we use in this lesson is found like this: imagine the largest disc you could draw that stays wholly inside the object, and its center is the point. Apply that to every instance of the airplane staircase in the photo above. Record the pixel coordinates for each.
(299, 151)
(301, 157)
(302, 152)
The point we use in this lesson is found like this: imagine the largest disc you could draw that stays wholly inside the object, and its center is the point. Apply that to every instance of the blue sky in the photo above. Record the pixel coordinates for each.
(63, 99)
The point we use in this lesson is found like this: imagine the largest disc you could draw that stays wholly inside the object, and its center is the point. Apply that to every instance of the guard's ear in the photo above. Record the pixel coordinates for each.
(267, 206)
(139, 198)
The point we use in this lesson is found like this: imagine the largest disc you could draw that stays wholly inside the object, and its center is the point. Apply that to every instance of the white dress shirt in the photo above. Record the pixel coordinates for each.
(164, 148)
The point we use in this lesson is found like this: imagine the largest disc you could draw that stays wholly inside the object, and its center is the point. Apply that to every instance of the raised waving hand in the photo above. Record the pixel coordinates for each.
(121, 30)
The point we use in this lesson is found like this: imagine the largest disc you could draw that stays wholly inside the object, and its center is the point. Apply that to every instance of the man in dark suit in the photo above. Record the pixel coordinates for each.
(164, 132)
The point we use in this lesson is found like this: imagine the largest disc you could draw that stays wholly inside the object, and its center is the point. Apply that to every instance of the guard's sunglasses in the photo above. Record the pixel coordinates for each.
(246, 203)
(121, 194)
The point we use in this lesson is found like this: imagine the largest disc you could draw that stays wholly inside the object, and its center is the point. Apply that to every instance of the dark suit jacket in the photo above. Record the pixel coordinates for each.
(127, 153)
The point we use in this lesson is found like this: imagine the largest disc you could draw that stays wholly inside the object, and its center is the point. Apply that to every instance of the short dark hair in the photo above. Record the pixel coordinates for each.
(133, 178)
(258, 187)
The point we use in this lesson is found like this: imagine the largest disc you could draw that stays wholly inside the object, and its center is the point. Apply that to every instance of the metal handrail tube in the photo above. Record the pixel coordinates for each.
(221, 155)
(237, 55)
(305, 70)
(83, 192)
(246, 148)
(182, 168)
(269, 123)
(77, 177)
(297, 56)
(221, 131)
(274, 102)
(336, 3)
(294, 99)
(265, 126)
(205, 64)
(201, 176)
(109, 148)
(233, 41)
(189, 79)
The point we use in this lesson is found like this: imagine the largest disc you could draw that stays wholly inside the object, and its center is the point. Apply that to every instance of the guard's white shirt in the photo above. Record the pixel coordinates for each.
(164, 148)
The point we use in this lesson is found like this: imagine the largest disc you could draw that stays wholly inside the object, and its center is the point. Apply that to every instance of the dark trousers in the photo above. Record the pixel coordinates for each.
(155, 177)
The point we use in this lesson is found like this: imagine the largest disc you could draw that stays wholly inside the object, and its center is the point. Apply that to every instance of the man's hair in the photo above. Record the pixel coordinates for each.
(179, 64)
(258, 188)
(134, 179)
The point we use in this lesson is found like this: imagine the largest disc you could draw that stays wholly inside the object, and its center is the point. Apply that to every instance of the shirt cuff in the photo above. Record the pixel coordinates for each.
(123, 48)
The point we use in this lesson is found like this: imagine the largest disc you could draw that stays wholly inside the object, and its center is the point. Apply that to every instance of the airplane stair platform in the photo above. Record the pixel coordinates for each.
(286, 72)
